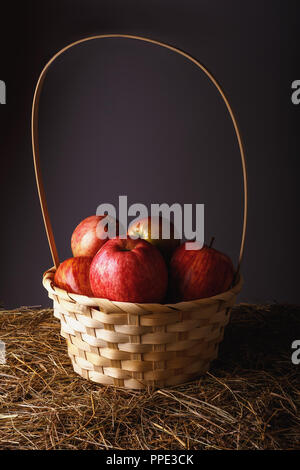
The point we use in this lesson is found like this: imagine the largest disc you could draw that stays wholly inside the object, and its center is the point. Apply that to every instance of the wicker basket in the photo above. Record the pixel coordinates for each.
(137, 345)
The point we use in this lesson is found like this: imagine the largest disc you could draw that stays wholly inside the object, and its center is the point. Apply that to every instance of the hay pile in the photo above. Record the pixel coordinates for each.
(248, 400)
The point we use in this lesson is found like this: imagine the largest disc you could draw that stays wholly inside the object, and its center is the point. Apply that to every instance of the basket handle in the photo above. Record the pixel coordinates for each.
(35, 144)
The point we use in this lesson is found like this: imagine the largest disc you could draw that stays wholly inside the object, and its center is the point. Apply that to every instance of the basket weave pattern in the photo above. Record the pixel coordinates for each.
(140, 345)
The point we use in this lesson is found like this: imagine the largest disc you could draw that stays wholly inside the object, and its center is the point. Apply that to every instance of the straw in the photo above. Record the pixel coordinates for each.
(248, 400)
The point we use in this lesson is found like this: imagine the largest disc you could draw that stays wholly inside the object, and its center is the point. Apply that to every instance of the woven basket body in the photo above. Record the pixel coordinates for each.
(140, 345)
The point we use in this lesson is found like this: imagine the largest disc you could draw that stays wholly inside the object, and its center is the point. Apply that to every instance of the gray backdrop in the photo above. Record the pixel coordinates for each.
(121, 117)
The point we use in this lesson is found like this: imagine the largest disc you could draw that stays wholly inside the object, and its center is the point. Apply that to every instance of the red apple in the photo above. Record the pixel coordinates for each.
(87, 237)
(142, 229)
(128, 270)
(72, 275)
(197, 274)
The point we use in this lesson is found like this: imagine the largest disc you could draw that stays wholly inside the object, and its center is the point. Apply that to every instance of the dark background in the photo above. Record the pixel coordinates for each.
(121, 117)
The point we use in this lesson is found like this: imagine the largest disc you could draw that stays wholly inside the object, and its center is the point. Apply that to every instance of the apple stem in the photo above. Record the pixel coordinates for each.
(211, 242)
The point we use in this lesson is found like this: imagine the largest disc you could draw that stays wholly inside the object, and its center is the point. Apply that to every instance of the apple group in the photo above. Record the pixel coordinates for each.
(140, 268)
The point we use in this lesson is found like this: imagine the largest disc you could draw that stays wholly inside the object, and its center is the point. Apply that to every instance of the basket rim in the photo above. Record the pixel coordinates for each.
(48, 283)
